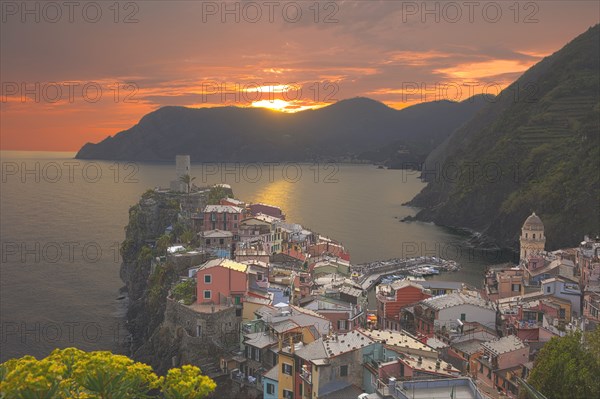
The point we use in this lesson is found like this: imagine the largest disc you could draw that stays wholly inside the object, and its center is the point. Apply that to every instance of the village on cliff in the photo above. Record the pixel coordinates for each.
(296, 319)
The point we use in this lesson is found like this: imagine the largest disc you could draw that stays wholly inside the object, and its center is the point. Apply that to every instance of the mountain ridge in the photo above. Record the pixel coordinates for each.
(244, 134)
(541, 154)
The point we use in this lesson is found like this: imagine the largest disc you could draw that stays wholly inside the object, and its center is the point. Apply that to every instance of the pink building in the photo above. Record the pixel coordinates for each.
(222, 217)
(222, 282)
(506, 353)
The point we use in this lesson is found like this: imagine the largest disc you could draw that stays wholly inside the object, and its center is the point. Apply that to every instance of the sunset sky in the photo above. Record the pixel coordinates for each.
(285, 56)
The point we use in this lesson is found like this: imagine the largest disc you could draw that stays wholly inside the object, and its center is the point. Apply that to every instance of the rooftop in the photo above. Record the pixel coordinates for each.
(217, 234)
(504, 345)
(227, 263)
(429, 365)
(327, 347)
(399, 284)
(260, 339)
(397, 338)
(348, 290)
(223, 209)
(234, 201)
(533, 222)
(428, 284)
(273, 374)
(457, 299)
(468, 347)
(461, 388)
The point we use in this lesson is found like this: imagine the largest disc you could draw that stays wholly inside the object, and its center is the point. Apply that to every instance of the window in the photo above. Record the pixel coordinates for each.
(207, 294)
(341, 325)
(208, 241)
(286, 368)
(270, 389)
(221, 241)
(344, 371)
(235, 217)
(288, 394)
(548, 289)
(207, 279)
(516, 288)
(300, 389)
(463, 317)
(274, 359)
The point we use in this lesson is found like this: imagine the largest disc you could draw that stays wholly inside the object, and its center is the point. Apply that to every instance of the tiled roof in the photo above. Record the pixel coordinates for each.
(334, 346)
(273, 374)
(468, 347)
(457, 299)
(230, 264)
(503, 345)
(429, 365)
(399, 284)
(396, 338)
(217, 233)
(223, 209)
(259, 340)
(352, 291)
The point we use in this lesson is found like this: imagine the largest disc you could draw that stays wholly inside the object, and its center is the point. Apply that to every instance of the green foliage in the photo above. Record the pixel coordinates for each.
(568, 368)
(156, 285)
(534, 149)
(187, 383)
(185, 291)
(72, 373)
(187, 180)
(217, 193)
(145, 254)
(187, 237)
(178, 229)
(162, 244)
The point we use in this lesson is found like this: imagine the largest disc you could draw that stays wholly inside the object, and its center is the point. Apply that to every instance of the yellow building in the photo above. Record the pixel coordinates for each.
(532, 240)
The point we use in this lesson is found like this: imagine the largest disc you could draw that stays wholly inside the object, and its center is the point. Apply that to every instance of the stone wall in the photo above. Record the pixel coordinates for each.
(221, 328)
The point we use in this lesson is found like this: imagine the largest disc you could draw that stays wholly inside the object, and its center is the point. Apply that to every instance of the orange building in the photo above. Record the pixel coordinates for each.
(393, 297)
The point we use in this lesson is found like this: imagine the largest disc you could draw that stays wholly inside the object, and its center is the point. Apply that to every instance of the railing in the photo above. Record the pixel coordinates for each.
(306, 376)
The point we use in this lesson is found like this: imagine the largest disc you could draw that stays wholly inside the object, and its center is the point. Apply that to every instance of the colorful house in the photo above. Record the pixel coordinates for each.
(393, 297)
(449, 312)
(222, 217)
(222, 282)
(500, 356)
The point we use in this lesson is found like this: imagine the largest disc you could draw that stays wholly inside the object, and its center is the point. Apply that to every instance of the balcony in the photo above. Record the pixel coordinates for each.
(306, 375)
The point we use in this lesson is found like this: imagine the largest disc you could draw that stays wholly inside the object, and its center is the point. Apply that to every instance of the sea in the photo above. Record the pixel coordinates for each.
(62, 221)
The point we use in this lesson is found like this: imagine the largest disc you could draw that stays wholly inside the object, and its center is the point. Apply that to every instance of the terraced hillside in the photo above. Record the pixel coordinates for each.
(537, 148)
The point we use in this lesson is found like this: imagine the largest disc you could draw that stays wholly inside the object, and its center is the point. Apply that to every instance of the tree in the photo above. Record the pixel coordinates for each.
(72, 373)
(566, 367)
(217, 193)
(187, 237)
(163, 243)
(187, 180)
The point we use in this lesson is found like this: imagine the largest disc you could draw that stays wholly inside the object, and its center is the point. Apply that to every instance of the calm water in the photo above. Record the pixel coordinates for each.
(62, 221)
